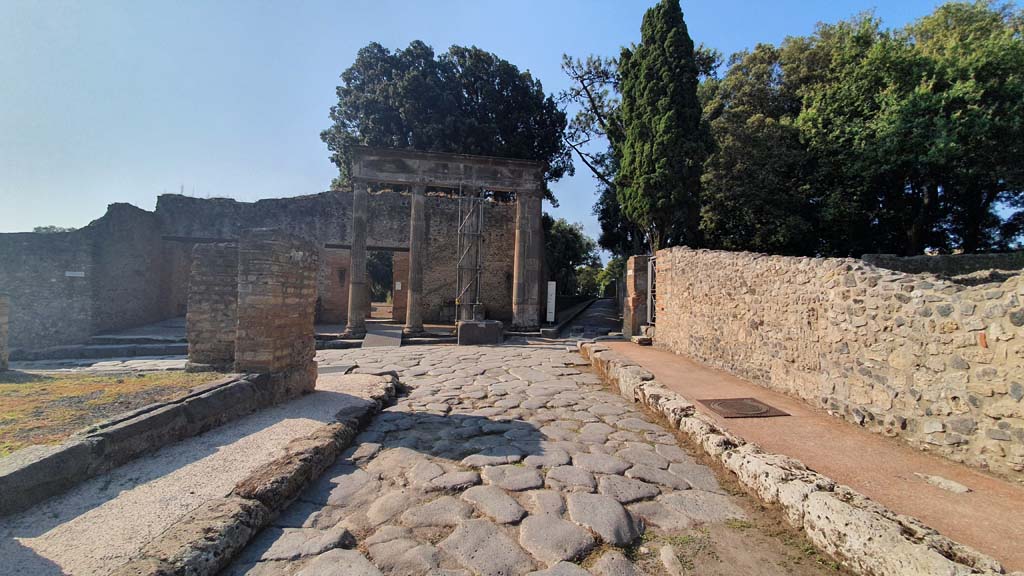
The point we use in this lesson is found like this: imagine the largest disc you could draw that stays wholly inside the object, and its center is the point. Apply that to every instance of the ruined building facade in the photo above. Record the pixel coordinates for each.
(131, 266)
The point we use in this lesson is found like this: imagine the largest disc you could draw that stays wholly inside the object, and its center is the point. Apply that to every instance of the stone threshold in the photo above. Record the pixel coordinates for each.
(863, 535)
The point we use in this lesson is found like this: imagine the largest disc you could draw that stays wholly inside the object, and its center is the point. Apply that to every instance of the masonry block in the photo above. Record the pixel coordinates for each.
(212, 318)
(480, 332)
(277, 289)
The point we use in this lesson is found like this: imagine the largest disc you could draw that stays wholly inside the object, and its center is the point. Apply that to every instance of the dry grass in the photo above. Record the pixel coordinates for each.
(46, 409)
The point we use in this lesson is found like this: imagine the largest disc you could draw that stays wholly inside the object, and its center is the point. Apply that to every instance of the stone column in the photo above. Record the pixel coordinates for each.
(634, 310)
(417, 252)
(529, 253)
(358, 297)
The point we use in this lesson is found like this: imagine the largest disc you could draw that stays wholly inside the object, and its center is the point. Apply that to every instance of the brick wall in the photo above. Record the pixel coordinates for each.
(212, 319)
(4, 312)
(333, 286)
(938, 364)
(277, 276)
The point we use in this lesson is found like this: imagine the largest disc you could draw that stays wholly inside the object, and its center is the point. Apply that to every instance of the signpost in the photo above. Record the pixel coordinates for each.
(551, 303)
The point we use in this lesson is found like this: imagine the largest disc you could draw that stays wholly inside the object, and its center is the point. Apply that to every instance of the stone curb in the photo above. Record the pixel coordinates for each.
(205, 541)
(863, 535)
(36, 473)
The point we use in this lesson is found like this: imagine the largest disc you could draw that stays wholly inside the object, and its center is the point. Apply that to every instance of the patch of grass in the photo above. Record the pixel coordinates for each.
(737, 524)
(46, 409)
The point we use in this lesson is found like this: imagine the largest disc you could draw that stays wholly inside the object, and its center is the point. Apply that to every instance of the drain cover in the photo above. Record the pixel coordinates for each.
(741, 408)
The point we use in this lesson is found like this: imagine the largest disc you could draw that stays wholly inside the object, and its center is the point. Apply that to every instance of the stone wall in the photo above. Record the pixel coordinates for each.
(277, 277)
(938, 364)
(127, 251)
(4, 312)
(48, 278)
(212, 319)
(634, 305)
(325, 219)
(67, 286)
(132, 267)
(947, 264)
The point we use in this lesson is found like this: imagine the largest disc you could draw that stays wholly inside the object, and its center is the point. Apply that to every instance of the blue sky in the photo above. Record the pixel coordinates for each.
(106, 102)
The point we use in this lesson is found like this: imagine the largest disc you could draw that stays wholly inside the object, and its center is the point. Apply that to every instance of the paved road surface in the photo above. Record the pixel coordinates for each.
(500, 460)
(599, 319)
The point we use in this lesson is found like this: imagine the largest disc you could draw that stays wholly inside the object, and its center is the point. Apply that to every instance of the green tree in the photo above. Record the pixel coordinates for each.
(612, 272)
(755, 195)
(566, 248)
(664, 142)
(587, 280)
(466, 100)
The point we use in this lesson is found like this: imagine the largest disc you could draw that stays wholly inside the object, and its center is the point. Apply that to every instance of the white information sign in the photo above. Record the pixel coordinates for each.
(551, 302)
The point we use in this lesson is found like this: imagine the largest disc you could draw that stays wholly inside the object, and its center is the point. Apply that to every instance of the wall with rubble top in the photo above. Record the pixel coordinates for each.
(936, 363)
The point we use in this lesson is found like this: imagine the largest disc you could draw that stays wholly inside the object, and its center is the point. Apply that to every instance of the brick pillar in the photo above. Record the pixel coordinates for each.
(634, 310)
(358, 294)
(277, 275)
(529, 255)
(212, 318)
(417, 252)
(5, 312)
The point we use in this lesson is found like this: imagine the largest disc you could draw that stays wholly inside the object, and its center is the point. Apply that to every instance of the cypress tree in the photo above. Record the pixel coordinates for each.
(664, 145)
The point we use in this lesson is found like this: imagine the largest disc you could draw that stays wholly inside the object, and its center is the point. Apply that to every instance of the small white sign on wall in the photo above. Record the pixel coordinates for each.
(551, 302)
(74, 274)
(398, 285)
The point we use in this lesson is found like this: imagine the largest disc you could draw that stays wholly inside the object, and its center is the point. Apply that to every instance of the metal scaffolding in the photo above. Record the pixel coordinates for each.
(470, 251)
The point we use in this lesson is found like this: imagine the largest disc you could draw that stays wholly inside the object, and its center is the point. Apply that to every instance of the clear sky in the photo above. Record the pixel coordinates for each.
(106, 102)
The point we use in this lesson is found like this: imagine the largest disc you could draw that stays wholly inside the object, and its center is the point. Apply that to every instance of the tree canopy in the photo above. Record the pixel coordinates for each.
(465, 100)
(854, 139)
(663, 144)
(567, 248)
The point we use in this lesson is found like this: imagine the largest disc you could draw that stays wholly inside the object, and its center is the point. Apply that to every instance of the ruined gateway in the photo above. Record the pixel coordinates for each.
(131, 267)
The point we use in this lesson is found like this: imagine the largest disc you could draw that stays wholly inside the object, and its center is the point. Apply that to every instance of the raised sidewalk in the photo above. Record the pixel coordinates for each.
(988, 518)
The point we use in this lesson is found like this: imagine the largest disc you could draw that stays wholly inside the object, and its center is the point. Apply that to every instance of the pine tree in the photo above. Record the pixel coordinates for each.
(664, 145)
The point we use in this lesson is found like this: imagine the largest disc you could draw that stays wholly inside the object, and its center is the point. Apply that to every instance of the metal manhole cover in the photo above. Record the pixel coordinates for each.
(741, 408)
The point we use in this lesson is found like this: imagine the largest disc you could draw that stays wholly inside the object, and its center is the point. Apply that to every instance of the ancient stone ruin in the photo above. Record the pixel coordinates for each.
(133, 267)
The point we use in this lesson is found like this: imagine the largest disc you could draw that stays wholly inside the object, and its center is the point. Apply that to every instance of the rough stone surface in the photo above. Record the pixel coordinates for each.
(626, 490)
(552, 540)
(496, 503)
(485, 549)
(930, 360)
(605, 516)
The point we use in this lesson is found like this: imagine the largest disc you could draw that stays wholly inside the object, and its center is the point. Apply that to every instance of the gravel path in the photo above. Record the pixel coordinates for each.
(99, 524)
(502, 460)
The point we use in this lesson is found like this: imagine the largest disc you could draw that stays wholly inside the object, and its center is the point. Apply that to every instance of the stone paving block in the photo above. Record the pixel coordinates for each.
(605, 516)
(484, 548)
(445, 511)
(552, 540)
(496, 503)
(657, 476)
(340, 563)
(570, 478)
(614, 563)
(626, 490)
(600, 463)
(515, 478)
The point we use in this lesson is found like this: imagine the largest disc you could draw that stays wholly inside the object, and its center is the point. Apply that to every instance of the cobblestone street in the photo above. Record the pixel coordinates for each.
(502, 461)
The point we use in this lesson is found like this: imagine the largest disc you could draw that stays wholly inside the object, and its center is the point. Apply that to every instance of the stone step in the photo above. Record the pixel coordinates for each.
(100, 351)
